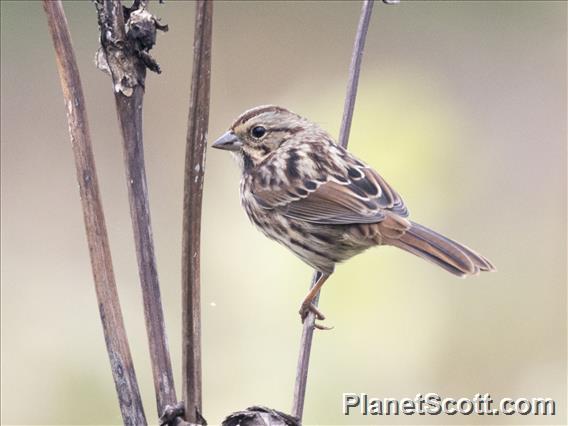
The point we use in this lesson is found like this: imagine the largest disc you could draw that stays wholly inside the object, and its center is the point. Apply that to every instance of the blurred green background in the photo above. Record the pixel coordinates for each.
(462, 108)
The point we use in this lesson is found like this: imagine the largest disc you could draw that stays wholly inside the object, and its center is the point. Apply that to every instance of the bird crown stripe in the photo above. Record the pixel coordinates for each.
(257, 111)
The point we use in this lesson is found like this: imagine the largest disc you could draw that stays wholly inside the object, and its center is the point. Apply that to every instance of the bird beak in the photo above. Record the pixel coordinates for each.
(228, 142)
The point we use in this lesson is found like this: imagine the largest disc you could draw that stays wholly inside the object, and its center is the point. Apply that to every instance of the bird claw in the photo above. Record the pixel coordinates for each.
(306, 308)
(322, 327)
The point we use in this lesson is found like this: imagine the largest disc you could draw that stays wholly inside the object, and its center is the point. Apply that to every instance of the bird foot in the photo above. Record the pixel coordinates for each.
(306, 308)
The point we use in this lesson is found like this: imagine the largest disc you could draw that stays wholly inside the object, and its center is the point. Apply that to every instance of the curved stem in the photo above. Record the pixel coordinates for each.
(95, 227)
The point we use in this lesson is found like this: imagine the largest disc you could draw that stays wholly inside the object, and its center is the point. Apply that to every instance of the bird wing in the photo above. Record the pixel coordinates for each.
(350, 192)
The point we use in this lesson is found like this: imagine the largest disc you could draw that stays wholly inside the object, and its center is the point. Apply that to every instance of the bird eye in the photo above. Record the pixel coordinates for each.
(257, 132)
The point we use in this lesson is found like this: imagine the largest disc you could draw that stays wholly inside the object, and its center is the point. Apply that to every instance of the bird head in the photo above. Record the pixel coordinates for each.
(259, 132)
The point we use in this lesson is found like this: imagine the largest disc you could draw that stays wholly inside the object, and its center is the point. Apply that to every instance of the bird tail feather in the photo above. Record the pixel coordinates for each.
(444, 252)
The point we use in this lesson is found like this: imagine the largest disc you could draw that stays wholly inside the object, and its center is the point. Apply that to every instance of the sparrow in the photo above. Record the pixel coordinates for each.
(302, 189)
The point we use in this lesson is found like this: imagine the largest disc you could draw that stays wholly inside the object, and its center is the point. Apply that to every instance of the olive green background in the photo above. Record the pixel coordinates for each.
(462, 108)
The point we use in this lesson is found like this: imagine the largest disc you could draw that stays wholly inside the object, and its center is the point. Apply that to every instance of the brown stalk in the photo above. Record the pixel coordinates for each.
(308, 327)
(196, 142)
(95, 227)
(124, 53)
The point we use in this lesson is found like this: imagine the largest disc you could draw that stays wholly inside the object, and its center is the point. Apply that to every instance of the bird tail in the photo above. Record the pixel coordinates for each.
(450, 255)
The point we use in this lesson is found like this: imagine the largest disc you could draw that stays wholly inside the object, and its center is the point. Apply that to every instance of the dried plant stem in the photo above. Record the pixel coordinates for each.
(126, 59)
(354, 71)
(130, 118)
(196, 141)
(95, 227)
(308, 328)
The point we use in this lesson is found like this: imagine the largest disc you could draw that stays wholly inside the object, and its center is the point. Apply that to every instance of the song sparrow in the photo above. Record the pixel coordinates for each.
(303, 190)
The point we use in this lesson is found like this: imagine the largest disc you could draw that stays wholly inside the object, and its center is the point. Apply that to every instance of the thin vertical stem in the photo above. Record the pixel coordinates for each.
(95, 227)
(354, 71)
(196, 142)
(309, 322)
(129, 111)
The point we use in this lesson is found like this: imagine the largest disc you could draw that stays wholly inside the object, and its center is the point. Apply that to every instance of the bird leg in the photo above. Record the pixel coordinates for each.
(307, 305)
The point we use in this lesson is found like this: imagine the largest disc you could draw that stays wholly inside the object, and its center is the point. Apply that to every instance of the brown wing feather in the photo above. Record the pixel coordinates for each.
(350, 192)
(333, 203)
(396, 205)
